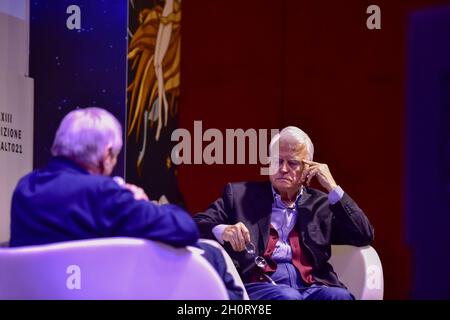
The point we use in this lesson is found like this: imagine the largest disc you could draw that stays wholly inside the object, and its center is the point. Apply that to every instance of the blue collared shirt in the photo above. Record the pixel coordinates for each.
(283, 220)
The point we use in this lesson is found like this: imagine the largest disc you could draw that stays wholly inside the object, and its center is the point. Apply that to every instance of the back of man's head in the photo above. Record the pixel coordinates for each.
(85, 134)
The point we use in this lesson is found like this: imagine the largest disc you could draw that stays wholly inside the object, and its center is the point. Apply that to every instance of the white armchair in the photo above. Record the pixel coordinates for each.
(108, 268)
(360, 269)
(129, 268)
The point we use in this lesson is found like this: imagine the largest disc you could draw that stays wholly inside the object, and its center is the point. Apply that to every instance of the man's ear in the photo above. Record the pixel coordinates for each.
(106, 159)
(109, 151)
(105, 154)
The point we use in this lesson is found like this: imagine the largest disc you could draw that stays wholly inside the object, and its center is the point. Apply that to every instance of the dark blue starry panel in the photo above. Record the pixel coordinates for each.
(74, 67)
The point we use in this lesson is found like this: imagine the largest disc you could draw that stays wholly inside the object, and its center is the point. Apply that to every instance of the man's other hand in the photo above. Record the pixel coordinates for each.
(138, 193)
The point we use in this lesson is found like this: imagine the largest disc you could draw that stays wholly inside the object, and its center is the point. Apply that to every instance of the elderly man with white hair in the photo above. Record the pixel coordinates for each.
(279, 232)
(74, 198)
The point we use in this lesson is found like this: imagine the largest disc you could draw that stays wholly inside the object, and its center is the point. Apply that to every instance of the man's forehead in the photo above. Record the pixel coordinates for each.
(291, 146)
(296, 152)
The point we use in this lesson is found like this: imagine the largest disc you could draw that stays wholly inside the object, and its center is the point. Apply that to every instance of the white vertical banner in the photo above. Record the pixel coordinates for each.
(16, 104)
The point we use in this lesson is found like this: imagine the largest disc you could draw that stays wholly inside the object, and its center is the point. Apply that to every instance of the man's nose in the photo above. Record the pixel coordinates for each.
(283, 166)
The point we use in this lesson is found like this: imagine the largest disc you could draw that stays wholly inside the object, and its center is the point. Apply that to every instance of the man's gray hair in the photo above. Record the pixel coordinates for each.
(296, 136)
(85, 134)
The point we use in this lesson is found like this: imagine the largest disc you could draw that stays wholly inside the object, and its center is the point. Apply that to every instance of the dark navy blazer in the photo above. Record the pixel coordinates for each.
(319, 225)
(63, 202)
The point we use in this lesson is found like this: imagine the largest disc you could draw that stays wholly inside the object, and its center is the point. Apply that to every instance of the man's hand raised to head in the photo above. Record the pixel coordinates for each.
(321, 172)
(237, 235)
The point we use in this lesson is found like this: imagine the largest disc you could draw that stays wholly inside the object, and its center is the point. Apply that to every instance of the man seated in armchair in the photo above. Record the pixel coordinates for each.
(279, 233)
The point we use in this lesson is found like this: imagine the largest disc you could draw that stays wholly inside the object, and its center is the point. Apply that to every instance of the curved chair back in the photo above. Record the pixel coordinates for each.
(107, 268)
(360, 269)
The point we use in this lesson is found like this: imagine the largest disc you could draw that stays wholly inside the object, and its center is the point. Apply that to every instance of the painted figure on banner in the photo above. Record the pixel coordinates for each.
(153, 95)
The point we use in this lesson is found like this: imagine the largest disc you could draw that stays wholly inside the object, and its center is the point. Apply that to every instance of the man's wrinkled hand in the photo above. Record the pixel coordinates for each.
(321, 172)
(237, 235)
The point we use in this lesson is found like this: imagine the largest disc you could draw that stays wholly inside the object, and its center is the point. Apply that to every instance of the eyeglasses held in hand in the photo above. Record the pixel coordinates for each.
(259, 261)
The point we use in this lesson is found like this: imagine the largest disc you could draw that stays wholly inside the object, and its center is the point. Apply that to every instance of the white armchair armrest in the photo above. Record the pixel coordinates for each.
(360, 269)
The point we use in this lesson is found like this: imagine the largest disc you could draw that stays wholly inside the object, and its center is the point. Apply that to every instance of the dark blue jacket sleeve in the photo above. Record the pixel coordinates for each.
(122, 215)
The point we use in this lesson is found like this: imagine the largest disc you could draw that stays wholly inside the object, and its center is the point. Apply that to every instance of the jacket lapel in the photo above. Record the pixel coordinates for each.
(263, 207)
(304, 216)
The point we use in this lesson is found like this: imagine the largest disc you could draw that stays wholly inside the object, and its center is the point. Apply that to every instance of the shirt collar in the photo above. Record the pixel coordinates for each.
(277, 197)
